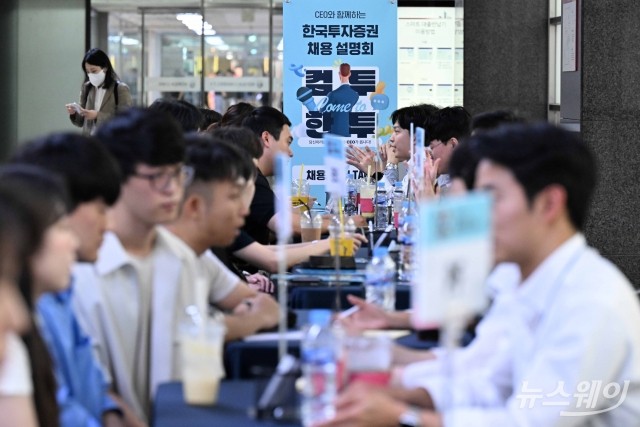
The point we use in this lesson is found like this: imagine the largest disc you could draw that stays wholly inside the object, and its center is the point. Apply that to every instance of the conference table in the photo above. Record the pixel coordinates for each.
(235, 402)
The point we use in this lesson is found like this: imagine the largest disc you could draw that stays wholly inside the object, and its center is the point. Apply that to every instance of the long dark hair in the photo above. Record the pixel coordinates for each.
(46, 200)
(100, 59)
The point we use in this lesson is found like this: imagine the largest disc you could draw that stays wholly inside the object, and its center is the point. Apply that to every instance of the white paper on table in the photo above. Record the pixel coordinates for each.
(390, 333)
(275, 336)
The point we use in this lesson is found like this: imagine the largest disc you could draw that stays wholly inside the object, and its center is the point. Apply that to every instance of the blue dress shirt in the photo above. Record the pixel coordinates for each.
(82, 387)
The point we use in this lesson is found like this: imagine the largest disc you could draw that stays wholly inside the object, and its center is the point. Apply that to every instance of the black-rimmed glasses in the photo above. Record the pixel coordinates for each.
(160, 181)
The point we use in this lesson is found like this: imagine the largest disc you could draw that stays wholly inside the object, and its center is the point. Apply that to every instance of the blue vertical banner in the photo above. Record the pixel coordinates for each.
(283, 197)
(340, 77)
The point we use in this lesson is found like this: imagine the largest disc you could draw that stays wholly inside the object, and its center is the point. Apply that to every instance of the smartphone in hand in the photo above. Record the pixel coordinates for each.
(76, 107)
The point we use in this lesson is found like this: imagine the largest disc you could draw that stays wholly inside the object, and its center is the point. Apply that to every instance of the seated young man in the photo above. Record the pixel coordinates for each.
(120, 299)
(574, 319)
(397, 150)
(273, 129)
(244, 247)
(212, 213)
(444, 130)
(93, 181)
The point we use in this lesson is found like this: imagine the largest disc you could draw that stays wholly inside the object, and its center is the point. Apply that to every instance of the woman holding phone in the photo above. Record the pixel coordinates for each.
(102, 94)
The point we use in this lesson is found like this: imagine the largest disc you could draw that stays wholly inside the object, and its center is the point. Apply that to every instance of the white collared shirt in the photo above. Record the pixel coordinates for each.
(491, 333)
(100, 92)
(572, 329)
(107, 300)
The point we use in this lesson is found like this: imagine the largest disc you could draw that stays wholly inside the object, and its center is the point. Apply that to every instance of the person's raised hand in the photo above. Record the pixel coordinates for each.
(89, 114)
(361, 159)
(368, 316)
(358, 240)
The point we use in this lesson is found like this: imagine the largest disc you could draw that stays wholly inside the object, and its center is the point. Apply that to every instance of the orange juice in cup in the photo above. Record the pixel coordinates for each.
(340, 241)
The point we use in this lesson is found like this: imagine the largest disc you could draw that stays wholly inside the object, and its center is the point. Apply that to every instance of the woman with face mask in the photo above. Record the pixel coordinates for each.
(102, 94)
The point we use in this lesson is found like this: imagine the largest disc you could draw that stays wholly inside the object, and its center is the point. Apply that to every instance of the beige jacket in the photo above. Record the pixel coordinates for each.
(107, 110)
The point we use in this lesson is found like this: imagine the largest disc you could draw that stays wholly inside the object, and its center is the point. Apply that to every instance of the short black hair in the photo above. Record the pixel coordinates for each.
(416, 114)
(89, 170)
(209, 117)
(540, 155)
(268, 119)
(492, 119)
(240, 137)
(463, 164)
(187, 114)
(236, 113)
(215, 160)
(447, 123)
(139, 135)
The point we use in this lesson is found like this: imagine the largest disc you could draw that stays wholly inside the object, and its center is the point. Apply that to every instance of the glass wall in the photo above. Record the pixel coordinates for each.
(205, 52)
(215, 53)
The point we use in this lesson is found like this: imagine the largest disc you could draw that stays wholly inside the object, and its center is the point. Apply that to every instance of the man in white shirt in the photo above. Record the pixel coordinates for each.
(570, 355)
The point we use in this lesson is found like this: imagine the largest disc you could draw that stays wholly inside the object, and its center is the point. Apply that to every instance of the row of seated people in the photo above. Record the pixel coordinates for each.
(166, 198)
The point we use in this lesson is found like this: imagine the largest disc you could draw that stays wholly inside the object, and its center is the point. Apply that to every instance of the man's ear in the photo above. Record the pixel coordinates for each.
(193, 206)
(454, 142)
(264, 136)
(552, 203)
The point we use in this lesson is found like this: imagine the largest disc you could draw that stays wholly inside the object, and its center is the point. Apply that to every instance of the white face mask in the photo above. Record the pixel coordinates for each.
(97, 79)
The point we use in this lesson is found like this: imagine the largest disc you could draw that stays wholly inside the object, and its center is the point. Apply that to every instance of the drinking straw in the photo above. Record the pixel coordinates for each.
(300, 180)
(341, 215)
(370, 237)
(383, 236)
(369, 174)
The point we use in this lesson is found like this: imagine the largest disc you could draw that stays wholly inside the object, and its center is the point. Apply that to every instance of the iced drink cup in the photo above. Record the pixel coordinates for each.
(300, 194)
(202, 367)
(368, 359)
(340, 241)
(367, 196)
(310, 226)
(201, 374)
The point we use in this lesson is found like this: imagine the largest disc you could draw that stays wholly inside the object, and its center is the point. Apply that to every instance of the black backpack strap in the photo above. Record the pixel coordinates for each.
(85, 94)
(115, 92)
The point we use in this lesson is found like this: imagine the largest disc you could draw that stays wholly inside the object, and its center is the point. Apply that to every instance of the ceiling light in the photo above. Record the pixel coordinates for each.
(193, 21)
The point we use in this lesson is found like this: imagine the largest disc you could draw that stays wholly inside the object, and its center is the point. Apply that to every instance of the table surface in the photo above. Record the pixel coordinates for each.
(231, 410)
(324, 296)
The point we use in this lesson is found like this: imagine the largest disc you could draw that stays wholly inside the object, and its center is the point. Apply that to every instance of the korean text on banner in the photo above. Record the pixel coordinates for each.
(340, 76)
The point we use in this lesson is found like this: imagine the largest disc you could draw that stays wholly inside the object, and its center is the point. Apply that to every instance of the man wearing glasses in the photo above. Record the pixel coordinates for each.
(123, 299)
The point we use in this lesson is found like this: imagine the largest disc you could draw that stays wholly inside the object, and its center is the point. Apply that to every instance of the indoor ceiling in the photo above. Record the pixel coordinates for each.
(227, 18)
